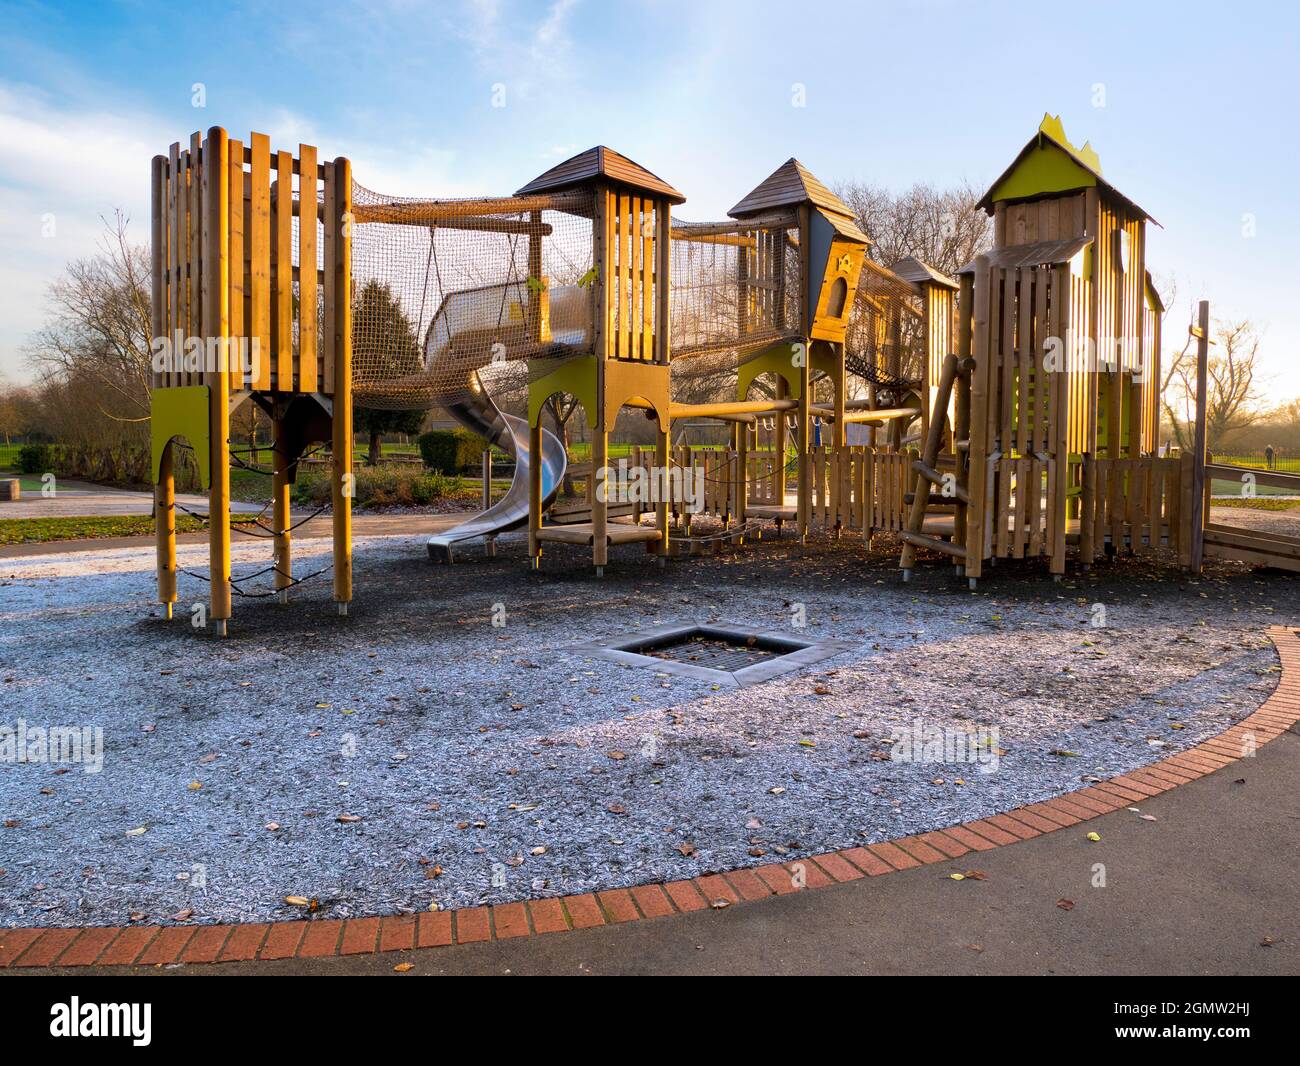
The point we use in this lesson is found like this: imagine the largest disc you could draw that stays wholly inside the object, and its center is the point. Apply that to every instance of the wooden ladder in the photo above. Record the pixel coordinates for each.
(928, 475)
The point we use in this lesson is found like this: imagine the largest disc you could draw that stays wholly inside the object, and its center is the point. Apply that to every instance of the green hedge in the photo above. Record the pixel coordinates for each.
(451, 451)
(377, 486)
(35, 458)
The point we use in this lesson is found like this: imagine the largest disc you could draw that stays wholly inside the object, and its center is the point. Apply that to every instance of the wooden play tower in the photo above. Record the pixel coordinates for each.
(1044, 418)
(251, 255)
(629, 360)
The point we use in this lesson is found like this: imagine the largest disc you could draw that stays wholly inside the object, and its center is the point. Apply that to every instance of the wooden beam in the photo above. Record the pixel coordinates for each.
(1199, 483)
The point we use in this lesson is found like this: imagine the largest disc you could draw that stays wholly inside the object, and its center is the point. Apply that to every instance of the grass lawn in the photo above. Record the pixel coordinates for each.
(40, 530)
(1259, 503)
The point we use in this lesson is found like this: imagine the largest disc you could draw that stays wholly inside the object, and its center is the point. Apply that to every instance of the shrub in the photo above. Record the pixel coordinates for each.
(377, 486)
(450, 451)
(35, 459)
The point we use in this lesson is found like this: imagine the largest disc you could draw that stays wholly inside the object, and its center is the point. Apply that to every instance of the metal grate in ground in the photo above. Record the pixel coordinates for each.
(728, 653)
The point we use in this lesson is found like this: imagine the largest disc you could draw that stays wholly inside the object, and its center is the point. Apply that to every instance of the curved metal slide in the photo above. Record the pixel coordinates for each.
(474, 409)
(480, 415)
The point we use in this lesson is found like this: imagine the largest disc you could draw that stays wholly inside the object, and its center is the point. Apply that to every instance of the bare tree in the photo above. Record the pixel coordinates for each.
(942, 227)
(99, 326)
(1232, 394)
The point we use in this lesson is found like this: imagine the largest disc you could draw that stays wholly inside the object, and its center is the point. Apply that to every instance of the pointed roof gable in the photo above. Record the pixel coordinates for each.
(595, 164)
(1049, 163)
(787, 186)
(914, 270)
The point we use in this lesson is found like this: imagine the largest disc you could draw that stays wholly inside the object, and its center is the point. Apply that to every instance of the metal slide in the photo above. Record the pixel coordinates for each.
(476, 411)
(480, 415)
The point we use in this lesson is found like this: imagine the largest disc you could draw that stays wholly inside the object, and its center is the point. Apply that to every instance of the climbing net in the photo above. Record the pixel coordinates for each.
(734, 286)
(445, 289)
(885, 344)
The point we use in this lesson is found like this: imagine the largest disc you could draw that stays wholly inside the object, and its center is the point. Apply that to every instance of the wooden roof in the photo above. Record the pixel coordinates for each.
(597, 163)
(1083, 162)
(791, 183)
(1035, 253)
(919, 273)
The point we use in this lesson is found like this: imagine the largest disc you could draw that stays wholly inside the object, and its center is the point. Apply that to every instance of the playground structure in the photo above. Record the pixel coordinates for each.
(256, 247)
(1008, 413)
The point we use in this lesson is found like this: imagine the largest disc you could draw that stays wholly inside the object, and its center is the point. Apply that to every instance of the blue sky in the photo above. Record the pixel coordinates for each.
(1197, 122)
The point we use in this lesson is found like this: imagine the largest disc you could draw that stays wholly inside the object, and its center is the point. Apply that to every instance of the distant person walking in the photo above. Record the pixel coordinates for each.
(1268, 457)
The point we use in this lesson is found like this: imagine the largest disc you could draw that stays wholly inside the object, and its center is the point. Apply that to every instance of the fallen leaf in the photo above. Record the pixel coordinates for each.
(1267, 942)
(617, 756)
(821, 690)
(297, 901)
(958, 877)
(1094, 837)
(348, 818)
(194, 786)
(1063, 753)
(1148, 817)
(183, 916)
(402, 967)
(977, 875)
(272, 826)
(719, 903)
(1065, 904)
(137, 831)
(686, 848)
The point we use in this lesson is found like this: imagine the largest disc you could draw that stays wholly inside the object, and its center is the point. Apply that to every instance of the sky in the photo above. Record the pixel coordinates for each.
(1190, 106)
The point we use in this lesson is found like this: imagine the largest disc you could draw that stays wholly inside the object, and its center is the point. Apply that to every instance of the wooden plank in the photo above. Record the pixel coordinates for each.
(308, 290)
(203, 224)
(157, 255)
(978, 429)
(258, 228)
(235, 261)
(216, 300)
(341, 342)
(175, 253)
(329, 300)
(662, 256)
(624, 274)
(647, 239)
(1024, 359)
(282, 302)
(1043, 381)
(1199, 485)
(633, 225)
(195, 208)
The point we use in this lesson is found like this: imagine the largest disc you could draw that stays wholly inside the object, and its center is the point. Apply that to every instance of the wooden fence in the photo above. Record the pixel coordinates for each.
(1136, 504)
(278, 234)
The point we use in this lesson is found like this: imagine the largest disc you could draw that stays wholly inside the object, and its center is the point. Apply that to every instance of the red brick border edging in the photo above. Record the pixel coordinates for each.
(160, 945)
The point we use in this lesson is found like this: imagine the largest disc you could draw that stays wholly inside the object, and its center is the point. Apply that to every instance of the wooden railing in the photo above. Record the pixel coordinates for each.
(1136, 504)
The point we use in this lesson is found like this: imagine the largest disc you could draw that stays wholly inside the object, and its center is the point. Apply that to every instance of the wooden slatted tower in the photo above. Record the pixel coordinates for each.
(629, 361)
(1056, 363)
(251, 303)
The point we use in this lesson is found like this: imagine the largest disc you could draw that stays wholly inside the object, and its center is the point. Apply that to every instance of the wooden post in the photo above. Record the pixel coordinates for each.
(803, 443)
(280, 467)
(1200, 511)
(535, 490)
(979, 401)
(962, 421)
(662, 461)
(164, 513)
(216, 320)
(1087, 547)
(839, 434)
(341, 445)
(599, 499)
(742, 474)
